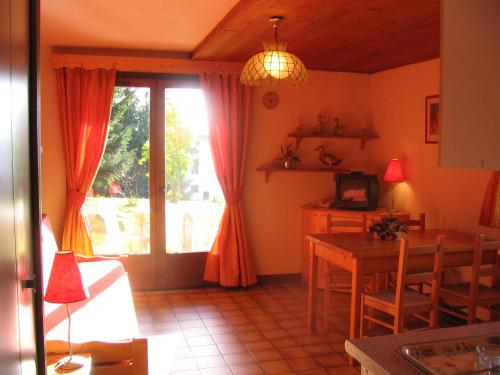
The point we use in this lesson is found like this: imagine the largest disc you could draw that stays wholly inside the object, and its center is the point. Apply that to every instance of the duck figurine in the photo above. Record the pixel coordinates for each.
(327, 158)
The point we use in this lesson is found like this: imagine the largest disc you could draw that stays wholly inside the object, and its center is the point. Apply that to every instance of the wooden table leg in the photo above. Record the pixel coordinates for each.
(357, 285)
(313, 284)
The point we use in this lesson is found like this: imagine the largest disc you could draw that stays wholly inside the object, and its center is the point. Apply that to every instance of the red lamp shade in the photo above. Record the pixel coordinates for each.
(65, 282)
(394, 171)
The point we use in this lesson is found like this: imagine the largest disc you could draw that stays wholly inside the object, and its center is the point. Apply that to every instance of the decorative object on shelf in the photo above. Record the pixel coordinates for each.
(338, 129)
(323, 121)
(65, 286)
(274, 66)
(288, 156)
(363, 136)
(327, 158)
(270, 99)
(432, 119)
(390, 228)
(394, 174)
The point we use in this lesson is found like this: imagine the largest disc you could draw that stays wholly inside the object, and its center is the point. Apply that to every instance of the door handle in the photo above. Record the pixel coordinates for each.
(28, 283)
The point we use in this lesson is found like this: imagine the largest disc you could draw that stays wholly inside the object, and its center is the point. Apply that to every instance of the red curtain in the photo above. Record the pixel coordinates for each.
(229, 261)
(84, 98)
(490, 212)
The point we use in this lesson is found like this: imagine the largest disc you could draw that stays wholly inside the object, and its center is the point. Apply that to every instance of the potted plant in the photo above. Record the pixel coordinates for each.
(288, 156)
(390, 228)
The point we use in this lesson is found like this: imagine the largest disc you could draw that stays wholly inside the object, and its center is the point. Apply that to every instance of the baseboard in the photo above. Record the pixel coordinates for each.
(285, 277)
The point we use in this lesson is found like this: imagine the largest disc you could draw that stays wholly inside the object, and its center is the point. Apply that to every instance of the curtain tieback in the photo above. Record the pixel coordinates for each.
(232, 198)
(77, 198)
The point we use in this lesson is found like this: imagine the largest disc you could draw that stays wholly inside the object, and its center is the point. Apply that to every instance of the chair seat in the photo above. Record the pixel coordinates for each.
(411, 299)
(484, 293)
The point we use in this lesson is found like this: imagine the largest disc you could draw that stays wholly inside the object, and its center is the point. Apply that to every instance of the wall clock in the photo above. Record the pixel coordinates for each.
(270, 99)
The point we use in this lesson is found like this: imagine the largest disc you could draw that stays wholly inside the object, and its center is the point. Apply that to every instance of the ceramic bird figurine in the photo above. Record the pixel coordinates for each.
(327, 158)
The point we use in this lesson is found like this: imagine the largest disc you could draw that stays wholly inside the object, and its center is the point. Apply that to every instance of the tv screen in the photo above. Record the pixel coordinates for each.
(357, 191)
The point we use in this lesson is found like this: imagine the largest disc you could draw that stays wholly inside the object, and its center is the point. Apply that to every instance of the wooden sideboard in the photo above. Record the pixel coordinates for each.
(314, 221)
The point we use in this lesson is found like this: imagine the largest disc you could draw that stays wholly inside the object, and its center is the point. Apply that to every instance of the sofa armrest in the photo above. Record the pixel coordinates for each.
(97, 258)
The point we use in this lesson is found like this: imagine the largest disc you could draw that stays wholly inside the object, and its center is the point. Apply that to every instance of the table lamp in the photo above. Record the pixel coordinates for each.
(66, 286)
(394, 174)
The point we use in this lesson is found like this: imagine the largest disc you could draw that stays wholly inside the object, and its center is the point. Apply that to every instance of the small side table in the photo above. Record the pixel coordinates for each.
(85, 370)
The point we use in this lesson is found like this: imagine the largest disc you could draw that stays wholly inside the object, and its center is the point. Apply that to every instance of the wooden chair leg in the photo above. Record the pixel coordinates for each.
(471, 314)
(327, 300)
(398, 324)
(362, 317)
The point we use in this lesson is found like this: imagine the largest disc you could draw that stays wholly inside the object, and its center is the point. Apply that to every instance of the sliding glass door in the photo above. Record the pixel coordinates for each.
(156, 197)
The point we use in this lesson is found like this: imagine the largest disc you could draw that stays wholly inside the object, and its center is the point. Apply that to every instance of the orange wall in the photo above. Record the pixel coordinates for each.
(53, 175)
(450, 197)
(273, 209)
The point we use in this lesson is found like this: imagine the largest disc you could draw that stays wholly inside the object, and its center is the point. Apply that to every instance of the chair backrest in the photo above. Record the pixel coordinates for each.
(429, 271)
(418, 224)
(338, 223)
(128, 357)
(492, 266)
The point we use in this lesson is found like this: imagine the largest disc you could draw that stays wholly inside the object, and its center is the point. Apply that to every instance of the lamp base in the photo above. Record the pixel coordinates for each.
(70, 363)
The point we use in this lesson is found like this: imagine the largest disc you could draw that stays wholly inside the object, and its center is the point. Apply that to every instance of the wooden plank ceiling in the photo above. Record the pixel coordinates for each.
(363, 36)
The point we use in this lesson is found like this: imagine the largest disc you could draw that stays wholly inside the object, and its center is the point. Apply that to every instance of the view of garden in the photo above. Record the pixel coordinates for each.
(118, 210)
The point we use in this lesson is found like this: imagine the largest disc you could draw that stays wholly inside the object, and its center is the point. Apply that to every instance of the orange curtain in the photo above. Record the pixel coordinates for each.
(84, 108)
(490, 212)
(229, 261)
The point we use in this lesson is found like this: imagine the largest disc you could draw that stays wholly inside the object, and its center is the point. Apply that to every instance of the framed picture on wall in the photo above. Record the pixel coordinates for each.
(432, 119)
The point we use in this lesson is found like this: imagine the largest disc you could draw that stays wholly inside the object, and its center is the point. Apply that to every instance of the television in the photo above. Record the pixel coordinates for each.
(356, 191)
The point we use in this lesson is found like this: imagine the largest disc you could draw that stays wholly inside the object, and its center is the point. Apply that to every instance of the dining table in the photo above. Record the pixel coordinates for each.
(361, 254)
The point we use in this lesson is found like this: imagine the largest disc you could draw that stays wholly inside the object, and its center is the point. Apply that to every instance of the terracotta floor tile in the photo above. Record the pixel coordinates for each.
(304, 363)
(239, 358)
(343, 370)
(259, 345)
(257, 330)
(267, 355)
(251, 336)
(226, 338)
(210, 361)
(267, 326)
(185, 364)
(218, 330)
(217, 371)
(275, 334)
(331, 360)
(275, 367)
(204, 350)
(231, 348)
(315, 371)
(318, 349)
(309, 340)
(294, 352)
(196, 323)
(199, 340)
(247, 369)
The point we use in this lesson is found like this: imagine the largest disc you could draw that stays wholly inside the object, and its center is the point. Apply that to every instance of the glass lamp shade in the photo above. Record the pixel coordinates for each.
(394, 171)
(274, 66)
(65, 281)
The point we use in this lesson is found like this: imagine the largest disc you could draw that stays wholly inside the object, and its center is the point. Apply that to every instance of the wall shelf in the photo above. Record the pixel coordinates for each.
(274, 168)
(363, 136)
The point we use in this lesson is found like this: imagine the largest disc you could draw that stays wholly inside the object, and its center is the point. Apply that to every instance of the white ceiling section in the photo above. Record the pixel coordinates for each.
(163, 25)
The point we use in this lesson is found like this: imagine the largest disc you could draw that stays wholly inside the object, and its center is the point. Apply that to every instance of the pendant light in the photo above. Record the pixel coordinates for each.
(275, 66)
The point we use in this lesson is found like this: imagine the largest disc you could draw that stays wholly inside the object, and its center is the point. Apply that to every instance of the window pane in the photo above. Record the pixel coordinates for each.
(118, 210)
(194, 200)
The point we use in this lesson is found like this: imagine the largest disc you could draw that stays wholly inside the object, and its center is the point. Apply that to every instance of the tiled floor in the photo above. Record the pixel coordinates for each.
(259, 330)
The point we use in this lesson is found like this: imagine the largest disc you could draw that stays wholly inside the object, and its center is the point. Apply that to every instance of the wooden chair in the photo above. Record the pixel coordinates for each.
(474, 294)
(128, 357)
(403, 301)
(338, 279)
(412, 224)
(415, 224)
